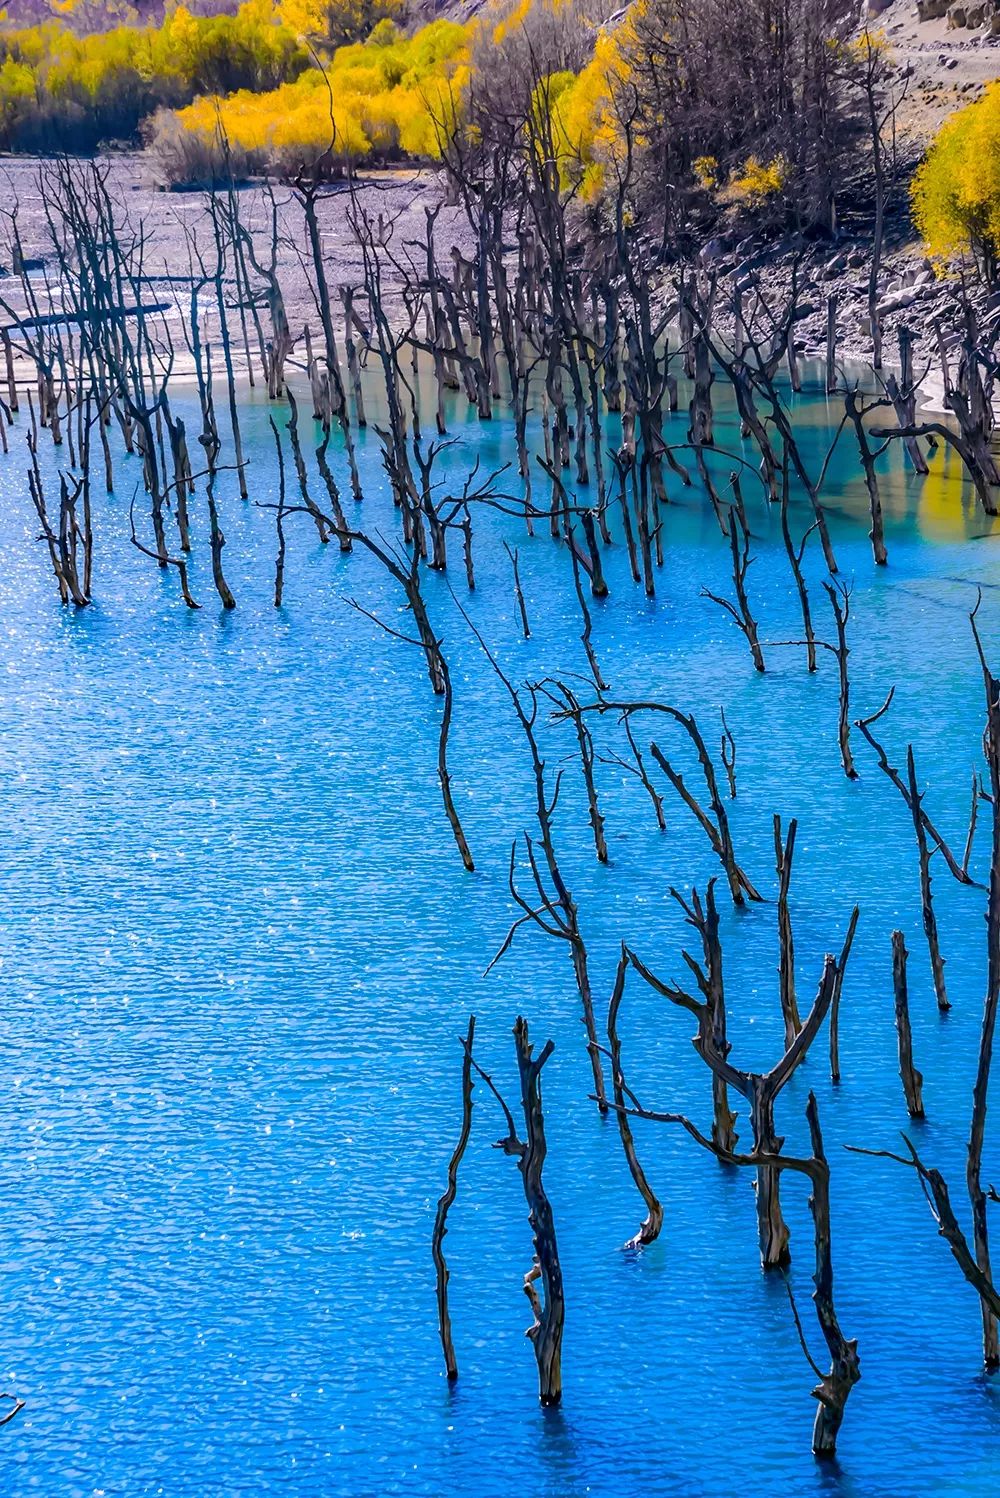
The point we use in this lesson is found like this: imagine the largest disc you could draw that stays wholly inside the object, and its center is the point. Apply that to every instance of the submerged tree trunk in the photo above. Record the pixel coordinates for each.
(548, 1308)
(649, 1229)
(441, 1270)
(911, 1078)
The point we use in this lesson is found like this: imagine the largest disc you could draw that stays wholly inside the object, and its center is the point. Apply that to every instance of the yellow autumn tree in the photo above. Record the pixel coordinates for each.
(588, 128)
(758, 181)
(17, 90)
(381, 99)
(100, 85)
(956, 190)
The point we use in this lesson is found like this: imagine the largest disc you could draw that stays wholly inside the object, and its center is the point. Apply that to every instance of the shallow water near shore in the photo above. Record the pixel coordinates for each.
(239, 946)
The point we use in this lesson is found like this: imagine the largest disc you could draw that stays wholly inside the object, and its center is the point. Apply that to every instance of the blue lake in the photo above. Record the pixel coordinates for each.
(238, 947)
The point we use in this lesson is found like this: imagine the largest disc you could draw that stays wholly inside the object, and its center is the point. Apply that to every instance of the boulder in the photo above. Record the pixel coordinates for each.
(895, 302)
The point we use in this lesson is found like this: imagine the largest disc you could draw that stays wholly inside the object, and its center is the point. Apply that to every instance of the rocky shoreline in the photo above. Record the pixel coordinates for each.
(912, 294)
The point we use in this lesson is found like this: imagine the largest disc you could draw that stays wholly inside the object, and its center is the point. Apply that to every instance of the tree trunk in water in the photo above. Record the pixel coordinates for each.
(441, 1270)
(786, 965)
(550, 1308)
(977, 1196)
(771, 1228)
(926, 898)
(650, 1227)
(911, 1078)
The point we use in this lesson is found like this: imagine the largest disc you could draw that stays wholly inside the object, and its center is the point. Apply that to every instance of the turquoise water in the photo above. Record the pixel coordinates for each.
(238, 947)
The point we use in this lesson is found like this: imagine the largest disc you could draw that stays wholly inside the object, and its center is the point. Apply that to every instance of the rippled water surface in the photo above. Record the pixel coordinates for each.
(238, 947)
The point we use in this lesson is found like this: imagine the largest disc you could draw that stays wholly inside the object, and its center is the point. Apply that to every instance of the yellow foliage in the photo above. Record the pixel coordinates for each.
(17, 87)
(104, 83)
(587, 127)
(386, 97)
(867, 47)
(294, 117)
(706, 171)
(759, 180)
(956, 190)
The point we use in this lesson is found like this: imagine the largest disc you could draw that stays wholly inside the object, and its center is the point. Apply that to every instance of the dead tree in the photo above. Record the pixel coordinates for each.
(165, 559)
(518, 591)
(926, 897)
(405, 569)
(833, 1388)
(649, 1228)
(637, 767)
(554, 913)
(783, 852)
(752, 375)
(275, 351)
(795, 555)
(61, 541)
(710, 1009)
(840, 601)
(938, 1197)
(590, 565)
(700, 430)
(307, 192)
(406, 572)
(977, 1132)
(217, 541)
(333, 494)
(279, 520)
(856, 414)
(838, 988)
(903, 395)
(716, 825)
(761, 1089)
(568, 704)
(444, 1205)
(727, 753)
(974, 1260)
(959, 871)
(839, 595)
(548, 1308)
(739, 612)
(970, 402)
(227, 354)
(292, 428)
(353, 367)
(911, 1078)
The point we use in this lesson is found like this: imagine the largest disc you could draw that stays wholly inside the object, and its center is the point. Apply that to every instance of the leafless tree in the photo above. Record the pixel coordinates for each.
(445, 1203)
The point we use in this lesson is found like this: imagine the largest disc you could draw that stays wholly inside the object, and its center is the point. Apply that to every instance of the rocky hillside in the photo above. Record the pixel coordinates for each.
(949, 48)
